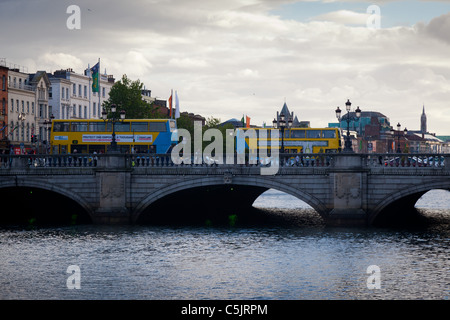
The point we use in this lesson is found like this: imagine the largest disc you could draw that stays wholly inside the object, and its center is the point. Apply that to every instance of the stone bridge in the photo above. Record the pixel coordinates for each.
(345, 189)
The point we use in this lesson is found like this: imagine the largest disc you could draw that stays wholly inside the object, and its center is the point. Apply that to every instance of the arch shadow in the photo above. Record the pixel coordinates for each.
(44, 202)
(399, 207)
(224, 197)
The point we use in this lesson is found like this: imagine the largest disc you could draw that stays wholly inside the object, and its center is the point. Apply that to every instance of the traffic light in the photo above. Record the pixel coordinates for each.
(33, 138)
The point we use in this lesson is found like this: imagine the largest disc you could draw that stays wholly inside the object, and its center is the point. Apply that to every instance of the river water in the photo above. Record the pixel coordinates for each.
(291, 256)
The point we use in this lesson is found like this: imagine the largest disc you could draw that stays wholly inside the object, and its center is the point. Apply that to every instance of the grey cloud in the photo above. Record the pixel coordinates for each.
(439, 28)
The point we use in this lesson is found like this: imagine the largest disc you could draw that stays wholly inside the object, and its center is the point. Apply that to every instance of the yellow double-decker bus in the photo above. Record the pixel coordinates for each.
(295, 140)
(133, 135)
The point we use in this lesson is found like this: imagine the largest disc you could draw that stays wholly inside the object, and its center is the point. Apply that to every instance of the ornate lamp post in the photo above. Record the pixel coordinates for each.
(282, 126)
(114, 119)
(398, 133)
(348, 142)
(47, 135)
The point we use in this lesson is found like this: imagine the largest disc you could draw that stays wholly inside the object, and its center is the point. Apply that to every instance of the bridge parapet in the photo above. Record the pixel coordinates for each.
(425, 160)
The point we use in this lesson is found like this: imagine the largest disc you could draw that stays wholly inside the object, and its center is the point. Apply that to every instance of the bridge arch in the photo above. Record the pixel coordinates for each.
(261, 182)
(407, 197)
(52, 188)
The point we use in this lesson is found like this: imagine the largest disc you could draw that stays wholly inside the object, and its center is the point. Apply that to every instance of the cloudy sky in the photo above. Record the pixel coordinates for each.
(235, 57)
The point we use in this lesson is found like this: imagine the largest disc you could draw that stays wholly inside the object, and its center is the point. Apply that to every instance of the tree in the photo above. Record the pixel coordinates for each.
(126, 95)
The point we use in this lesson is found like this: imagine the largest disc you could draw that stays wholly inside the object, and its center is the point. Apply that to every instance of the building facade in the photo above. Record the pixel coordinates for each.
(81, 103)
(4, 109)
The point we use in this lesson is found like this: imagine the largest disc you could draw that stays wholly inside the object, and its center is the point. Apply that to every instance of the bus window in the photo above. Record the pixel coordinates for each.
(79, 126)
(313, 134)
(80, 148)
(299, 134)
(173, 126)
(139, 127)
(61, 127)
(97, 148)
(330, 134)
(97, 127)
(122, 127)
(157, 127)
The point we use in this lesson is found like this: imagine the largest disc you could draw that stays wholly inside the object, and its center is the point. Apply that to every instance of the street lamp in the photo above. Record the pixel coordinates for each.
(114, 119)
(282, 125)
(405, 131)
(47, 135)
(348, 142)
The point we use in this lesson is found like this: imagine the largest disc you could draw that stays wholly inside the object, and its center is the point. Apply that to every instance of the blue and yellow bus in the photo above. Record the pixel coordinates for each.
(296, 140)
(132, 135)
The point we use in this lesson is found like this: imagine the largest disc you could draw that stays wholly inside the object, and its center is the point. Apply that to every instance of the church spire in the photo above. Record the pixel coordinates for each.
(423, 122)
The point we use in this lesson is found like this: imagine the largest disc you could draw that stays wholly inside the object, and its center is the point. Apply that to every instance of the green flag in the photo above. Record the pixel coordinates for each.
(95, 78)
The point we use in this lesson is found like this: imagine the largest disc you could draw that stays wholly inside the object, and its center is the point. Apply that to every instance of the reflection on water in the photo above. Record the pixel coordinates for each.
(292, 256)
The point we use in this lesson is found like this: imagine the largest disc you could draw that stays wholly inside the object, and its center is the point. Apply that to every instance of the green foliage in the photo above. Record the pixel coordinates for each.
(126, 95)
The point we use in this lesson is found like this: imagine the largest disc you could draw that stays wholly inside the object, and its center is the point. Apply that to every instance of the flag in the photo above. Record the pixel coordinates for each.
(248, 121)
(243, 121)
(95, 77)
(170, 103)
(177, 106)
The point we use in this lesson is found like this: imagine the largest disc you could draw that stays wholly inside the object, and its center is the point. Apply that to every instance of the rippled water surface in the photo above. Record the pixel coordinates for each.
(293, 257)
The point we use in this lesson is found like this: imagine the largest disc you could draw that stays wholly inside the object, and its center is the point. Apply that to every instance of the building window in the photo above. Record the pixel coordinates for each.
(3, 83)
(85, 91)
(17, 106)
(28, 106)
(94, 109)
(67, 93)
(74, 93)
(12, 104)
(32, 107)
(79, 111)
(62, 93)
(85, 112)
(74, 110)
(79, 90)
(3, 106)
(103, 92)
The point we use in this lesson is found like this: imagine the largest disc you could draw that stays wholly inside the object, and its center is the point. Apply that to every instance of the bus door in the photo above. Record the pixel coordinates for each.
(63, 149)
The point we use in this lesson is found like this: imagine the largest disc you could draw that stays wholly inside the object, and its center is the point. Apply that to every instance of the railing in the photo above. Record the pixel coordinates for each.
(47, 160)
(146, 160)
(410, 160)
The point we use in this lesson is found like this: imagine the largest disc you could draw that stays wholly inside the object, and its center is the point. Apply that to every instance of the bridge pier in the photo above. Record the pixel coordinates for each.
(112, 177)
(347, 179)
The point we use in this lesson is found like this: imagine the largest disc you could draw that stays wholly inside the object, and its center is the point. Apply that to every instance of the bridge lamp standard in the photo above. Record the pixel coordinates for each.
(398, 134)
(348, 143)
(114, 119)
(48, 123)
(282, 126)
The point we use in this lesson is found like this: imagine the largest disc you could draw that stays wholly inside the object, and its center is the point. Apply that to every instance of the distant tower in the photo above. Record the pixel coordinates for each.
(423, 122)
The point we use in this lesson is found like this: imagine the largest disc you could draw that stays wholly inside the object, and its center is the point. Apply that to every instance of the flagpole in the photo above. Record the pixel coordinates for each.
(99, 78)
(171, 103)
(90, 88)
